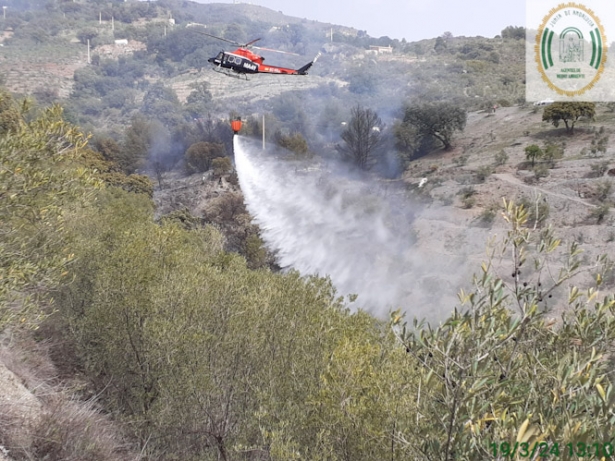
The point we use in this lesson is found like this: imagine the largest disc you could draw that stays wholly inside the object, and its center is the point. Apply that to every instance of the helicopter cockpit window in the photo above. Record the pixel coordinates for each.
(220, 55)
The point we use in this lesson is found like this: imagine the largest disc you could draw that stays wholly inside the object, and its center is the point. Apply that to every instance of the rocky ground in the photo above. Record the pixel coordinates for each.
(569, 188)
(570, 192)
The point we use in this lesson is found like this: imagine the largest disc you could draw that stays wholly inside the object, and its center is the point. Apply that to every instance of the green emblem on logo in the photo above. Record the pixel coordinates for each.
(570, 49)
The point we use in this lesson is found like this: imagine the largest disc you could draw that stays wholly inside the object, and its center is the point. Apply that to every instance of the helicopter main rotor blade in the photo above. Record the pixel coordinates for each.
(232, 41)
(247, 44)
(277, 51)
(220, 38)
(250, 43)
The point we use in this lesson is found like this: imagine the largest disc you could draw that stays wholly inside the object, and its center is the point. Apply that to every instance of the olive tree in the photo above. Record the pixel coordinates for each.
(504, 374)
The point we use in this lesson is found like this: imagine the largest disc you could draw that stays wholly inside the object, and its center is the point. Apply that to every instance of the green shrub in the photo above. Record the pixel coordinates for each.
(199, 156)
(483, 173)
(461, 160)
(603, 189)
(40, 181)
(598, 169)
(221, 166)
(600, 212)
(467, 197)
(136, 183)
(495, 370)
(599, 145)
(487, 216)
(553, 152)
(541, 171)
(501, 158)
(256, 254)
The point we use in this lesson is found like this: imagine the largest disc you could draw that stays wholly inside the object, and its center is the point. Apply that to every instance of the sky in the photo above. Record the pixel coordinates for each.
(410, 19)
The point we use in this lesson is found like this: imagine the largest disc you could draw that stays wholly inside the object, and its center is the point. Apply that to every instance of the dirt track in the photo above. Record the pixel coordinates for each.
(516, 181)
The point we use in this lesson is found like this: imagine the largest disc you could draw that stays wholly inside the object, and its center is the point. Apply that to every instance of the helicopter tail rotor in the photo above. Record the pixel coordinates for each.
(303, 70)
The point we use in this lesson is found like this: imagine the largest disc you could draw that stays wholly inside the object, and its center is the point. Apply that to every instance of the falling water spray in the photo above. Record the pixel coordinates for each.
(322, 222)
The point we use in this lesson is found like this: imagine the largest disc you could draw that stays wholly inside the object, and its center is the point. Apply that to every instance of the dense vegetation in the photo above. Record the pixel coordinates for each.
(200, 357)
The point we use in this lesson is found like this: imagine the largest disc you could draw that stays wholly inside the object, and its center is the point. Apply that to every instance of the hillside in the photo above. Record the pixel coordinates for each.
(451, 234)
(465, 188)
(41, 54)
(467, 185)
(146, 312)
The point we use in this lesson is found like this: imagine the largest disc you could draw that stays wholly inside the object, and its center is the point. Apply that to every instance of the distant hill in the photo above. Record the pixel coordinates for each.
(45, 55)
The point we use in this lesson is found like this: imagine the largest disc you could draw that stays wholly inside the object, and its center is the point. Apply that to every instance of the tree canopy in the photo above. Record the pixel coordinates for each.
(199, 156)
(568, 112)
(438, 121)
(514, 32)
(533, 153)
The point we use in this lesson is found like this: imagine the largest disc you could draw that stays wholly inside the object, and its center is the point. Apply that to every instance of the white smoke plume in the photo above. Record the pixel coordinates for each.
(321, 222)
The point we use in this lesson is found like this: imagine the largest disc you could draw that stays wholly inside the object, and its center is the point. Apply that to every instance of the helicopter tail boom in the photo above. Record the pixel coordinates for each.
(303, 70)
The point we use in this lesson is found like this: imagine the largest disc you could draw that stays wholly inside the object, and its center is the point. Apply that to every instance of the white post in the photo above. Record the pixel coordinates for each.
(4, 12)
(112, 24)
(263, 131)
(331, 34)
(100, 17)
(89, 60)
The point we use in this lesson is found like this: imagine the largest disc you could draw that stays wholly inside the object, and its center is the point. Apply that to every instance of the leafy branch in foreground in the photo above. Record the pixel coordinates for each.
(37, 180)
(502, 370)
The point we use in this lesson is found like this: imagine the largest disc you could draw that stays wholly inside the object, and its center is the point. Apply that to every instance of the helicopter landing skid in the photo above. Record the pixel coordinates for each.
(229, 72)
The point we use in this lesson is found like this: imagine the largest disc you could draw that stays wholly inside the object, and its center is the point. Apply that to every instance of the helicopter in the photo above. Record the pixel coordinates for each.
(242, 61)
